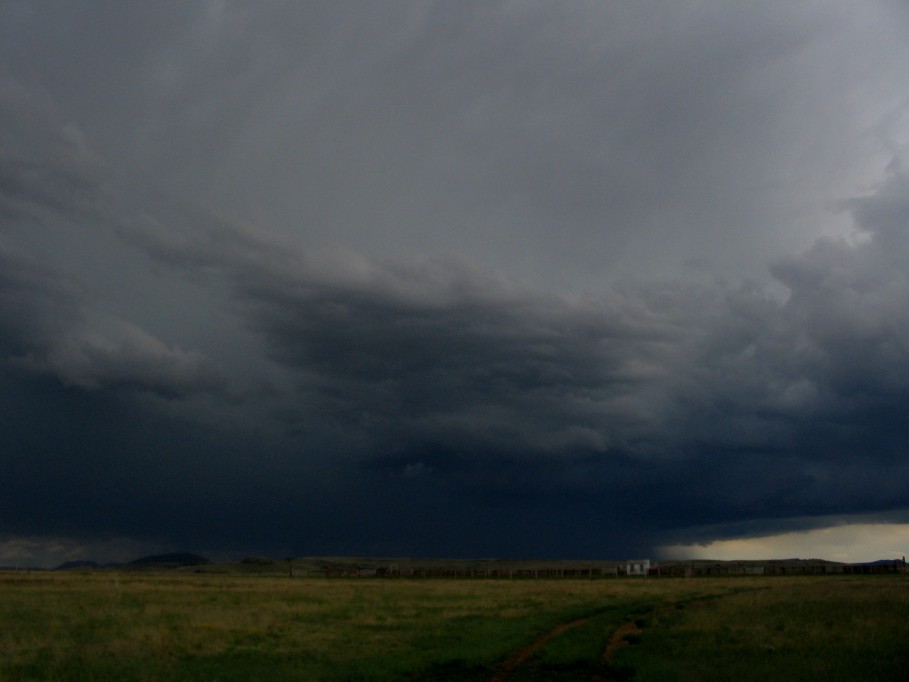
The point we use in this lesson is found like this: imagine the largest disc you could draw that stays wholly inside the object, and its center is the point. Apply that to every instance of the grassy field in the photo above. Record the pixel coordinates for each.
(112, 625)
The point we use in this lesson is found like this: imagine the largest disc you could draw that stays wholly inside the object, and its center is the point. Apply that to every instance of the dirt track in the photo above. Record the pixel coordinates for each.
(522, 656)
(619, 639)
(521, 664)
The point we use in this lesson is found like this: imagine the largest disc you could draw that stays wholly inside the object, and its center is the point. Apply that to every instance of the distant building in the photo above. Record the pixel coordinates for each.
(637, 567)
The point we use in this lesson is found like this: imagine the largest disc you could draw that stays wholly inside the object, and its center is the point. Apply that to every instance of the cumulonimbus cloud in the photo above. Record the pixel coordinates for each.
(385, 364)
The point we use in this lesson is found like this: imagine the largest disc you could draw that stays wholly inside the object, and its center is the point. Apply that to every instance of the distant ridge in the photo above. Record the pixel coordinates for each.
(171, 559)
(882, 562)
(72, 565)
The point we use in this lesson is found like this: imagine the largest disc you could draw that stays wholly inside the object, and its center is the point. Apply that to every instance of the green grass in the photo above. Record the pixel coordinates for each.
(139, 626)
(145, 627)
(835, 628)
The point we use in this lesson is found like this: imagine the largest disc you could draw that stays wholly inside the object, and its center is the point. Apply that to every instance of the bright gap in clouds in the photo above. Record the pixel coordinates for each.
(852, 543)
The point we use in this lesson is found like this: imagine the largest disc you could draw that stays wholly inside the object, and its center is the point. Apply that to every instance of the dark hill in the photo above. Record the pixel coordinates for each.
(883, 562)
(70, 565)
(171, 559)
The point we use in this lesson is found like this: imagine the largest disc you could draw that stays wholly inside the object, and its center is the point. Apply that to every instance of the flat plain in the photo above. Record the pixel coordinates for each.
(122, 625)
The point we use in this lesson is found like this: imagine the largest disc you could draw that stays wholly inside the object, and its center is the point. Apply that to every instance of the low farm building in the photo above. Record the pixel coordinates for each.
(637, 567)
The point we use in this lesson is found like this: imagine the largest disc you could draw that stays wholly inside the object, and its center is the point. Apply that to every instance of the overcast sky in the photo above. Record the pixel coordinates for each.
(525, 279)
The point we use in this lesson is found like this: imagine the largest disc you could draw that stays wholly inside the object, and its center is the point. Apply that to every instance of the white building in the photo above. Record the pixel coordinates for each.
(637, 567)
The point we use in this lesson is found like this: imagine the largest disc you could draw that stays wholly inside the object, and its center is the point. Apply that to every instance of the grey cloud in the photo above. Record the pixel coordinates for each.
(35, 302)
(447, 318)
(506, 396)
(560, 142)
(433, 358)
(45, 161)
(26, 185)
(130, 358)
(51, 323)
(848, 305)
(450, 386)
(46, 329)
(436, 343)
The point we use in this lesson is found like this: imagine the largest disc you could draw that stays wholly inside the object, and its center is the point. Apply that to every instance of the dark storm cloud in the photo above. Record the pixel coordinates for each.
(35, 303)
(44, 162)
(562, 142)
(719, 402)
(432, 383)
(45, 330)
(440, 346)
(338, 277)
(49, 325)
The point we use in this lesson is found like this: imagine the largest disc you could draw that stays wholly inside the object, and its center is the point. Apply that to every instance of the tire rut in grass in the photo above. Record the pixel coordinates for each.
(522, 657)
(522, 665)
(627, 633)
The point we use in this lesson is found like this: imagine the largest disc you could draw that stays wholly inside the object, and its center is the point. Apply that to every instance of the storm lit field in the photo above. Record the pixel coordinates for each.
(141, 626)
